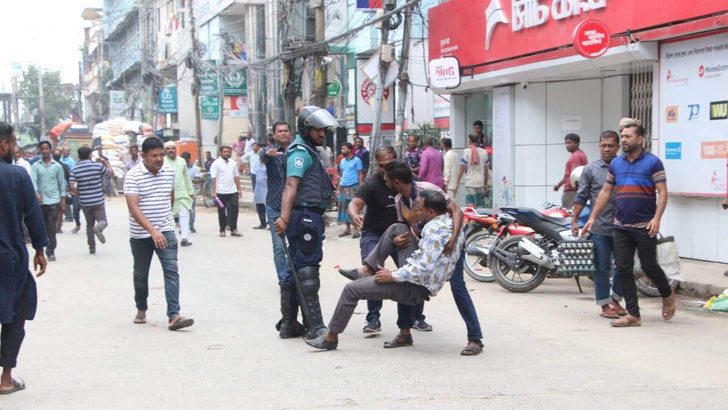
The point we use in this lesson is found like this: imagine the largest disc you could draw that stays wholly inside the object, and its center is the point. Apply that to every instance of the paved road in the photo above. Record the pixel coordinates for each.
(544, 349)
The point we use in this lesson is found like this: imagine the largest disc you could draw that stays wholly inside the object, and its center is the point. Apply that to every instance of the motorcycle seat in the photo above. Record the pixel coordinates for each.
(486, 211)
(558, 220)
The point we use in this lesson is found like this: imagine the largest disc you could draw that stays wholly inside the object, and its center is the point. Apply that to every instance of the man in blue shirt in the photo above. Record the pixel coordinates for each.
(638, 177)
(18, 297)
(351, 175)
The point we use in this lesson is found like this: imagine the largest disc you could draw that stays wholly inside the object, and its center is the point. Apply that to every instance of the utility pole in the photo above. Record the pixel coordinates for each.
(379, 95)
(319, 70)
(289, 91)
(221, 97)
(41, 106)
(145, 58)
(403, 77)
(196, 92)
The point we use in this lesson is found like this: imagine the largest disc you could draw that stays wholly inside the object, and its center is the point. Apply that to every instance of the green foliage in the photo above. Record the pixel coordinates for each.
(425, 131)
(58, 104)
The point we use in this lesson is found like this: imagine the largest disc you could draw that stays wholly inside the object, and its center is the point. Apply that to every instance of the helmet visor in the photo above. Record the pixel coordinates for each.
(321, 119)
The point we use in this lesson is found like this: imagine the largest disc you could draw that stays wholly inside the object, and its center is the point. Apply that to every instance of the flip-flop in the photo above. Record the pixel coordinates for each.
(612, 316)
(140, 319)
(17, 386)
(343, 234)
(668, 307)
(472, 350)
(394, 343)
(181, 323)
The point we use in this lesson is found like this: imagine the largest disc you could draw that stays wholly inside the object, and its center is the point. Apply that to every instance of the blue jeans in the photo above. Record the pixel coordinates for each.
(279, 253)
(603, 256)
(406, 314)
(464, 302)
(142, 250)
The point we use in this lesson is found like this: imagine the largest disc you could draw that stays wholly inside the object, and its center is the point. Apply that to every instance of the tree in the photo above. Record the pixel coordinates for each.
(58, 105)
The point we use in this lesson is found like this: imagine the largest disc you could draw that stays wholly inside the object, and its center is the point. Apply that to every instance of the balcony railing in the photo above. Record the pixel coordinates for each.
(126, 55)
(115, 12)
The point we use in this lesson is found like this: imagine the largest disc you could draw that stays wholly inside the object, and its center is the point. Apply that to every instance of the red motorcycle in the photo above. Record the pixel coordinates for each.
(484, 230)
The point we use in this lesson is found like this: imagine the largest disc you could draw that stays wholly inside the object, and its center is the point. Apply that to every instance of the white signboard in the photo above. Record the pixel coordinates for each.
(117, 105)
(366, 90)
(445, 72)
(693, 113)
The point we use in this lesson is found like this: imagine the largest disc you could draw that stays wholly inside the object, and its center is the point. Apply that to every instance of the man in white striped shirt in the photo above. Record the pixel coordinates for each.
(149, 191)
(87, 184)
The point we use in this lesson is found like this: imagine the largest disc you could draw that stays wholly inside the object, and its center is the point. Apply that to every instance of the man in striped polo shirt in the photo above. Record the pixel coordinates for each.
(149, 191)
(637, 176)
(86, 183)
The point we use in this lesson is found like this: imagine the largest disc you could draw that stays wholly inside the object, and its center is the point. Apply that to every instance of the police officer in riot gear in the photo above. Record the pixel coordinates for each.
(306, 196)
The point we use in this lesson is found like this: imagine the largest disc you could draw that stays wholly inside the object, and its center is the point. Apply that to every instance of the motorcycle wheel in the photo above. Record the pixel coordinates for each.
(534, 274)
(476, 265)
(648, 288)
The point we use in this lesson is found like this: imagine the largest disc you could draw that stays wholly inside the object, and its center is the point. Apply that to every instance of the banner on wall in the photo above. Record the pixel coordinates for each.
(693, 114)
(366, 90)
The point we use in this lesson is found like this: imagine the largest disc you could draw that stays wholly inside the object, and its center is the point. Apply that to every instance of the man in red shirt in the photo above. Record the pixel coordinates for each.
(576, 159)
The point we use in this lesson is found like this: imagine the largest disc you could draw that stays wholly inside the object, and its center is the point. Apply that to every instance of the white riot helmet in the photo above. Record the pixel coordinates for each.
(314, 117)
(576, 175)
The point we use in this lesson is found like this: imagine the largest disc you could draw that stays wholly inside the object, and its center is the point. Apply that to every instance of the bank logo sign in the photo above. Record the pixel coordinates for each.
(719, 110)
(494, 14)
(693, 112)
(673, 150)
(671, 113)
(713, 71)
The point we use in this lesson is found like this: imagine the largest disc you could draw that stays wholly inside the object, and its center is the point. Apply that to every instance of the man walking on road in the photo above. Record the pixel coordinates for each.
(183, 190)
(474, 164)
(18, 297)
(86, 183)
(149, 191)
(450, 168)
(591, 183)
(424, 274)
(351, 177)
(431, 165)
(637, 176)
(413, 155)
(274, 159)
(361, 152)
(576, 159)
(196, 177)
(226, 187)
(72, 205)
(50, 187)
(306, 197)
(134, 160)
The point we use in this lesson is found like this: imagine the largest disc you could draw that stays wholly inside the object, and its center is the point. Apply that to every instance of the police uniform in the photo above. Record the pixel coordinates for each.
(305, 230)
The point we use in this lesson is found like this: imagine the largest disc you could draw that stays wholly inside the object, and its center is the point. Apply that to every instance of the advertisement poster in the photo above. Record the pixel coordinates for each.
(117, 105)
(366, 90)
(693, 112)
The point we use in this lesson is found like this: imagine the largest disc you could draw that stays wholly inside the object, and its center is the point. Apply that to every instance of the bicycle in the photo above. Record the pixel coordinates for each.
(206, 191)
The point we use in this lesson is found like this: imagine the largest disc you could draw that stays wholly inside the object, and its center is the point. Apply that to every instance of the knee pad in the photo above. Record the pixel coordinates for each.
(308, 278)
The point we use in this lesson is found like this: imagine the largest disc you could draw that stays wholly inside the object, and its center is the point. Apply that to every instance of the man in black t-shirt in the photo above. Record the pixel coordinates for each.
(380, 214)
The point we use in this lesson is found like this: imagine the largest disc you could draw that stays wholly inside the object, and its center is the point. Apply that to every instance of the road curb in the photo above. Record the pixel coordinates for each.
(699, 290)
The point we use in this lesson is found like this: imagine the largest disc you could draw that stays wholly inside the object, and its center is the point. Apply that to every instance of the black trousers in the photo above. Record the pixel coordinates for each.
(10, 340)
(260, 208)
(50, 217)
(625, 244)
(228, 215)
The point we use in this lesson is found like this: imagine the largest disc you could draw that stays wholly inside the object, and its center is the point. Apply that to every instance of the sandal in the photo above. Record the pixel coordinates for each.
(610, 313)
(472, 350)
(180, 322)
(236, 233)
(222, 234)
(400, 340)
(140, 319)
(343, 234)
(668, 306)
(17, 386)
(627, 321)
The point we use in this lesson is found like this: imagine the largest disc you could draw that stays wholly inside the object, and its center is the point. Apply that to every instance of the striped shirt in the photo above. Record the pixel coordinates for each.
(155, 198)
(636, 194)
(88, 177)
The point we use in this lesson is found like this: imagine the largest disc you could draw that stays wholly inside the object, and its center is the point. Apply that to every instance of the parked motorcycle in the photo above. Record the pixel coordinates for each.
(485, 229)
(522, 263)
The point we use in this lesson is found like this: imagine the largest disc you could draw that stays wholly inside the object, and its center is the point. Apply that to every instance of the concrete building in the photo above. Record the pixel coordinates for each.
(94, 65)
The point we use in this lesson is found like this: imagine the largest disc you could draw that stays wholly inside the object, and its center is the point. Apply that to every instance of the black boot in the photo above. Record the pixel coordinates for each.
(308, 279)
(288, 326)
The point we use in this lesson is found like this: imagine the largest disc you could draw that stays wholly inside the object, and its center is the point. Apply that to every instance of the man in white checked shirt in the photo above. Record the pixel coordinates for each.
(149, 191)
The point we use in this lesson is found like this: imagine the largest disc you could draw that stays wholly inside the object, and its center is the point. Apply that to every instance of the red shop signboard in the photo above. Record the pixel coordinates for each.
(489, 31)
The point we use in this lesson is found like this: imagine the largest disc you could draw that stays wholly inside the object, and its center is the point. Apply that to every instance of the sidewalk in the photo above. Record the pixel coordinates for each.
(703, 279)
